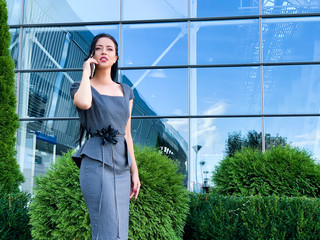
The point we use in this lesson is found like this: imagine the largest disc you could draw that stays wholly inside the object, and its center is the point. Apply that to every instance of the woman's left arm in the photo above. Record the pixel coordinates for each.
(135, 182)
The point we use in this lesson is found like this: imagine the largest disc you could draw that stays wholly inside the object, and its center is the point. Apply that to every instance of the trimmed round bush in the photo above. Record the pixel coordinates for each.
(163, 205)
(285, 171)
(58, 210)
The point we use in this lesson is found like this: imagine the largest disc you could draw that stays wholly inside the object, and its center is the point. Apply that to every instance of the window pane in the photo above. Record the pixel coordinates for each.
(62, 11)
(59, 47)
(169, 135)
(291, 89)
(159, 92)
(232, 41)
(218, 8)
(154, 9)
(220, 91)
(302, 132)
(154, 44)
(47, 94)
(209, 138)
(14, 45)
(14, 11)
(291, 39)
(290, 7)
(39, 143)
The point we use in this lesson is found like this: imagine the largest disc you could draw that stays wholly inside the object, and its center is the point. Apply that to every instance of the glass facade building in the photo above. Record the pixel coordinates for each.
(200, 70)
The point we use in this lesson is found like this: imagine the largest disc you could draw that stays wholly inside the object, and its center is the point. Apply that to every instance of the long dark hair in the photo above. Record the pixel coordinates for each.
(114, 70)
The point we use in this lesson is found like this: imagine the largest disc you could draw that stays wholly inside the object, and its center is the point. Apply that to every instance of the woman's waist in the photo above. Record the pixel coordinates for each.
(108, 134)
(102, 131)
(92, 135)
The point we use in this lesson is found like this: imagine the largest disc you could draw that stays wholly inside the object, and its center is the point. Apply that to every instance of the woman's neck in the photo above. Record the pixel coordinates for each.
(103, 76)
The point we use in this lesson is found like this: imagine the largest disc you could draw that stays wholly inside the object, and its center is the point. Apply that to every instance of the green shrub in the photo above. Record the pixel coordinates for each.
(162, 208)
(13, 203)
(58, 210)
(10, 174)
(14, 219)
(217, 217)
(285, 171)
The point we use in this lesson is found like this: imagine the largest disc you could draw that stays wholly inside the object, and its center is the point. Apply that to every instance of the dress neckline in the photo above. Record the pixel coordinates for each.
(110, 95)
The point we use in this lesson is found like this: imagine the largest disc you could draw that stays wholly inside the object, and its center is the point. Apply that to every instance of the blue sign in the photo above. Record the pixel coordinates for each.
(46, 138)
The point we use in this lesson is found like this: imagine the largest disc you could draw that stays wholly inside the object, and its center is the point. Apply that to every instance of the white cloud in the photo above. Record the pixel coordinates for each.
(206, 129)
(216, 109)
(129, 62)
(311, 136)
(159, 73)
(207, 124)
(309, 141)
(178, 112)
(210, 59)
(181, 126)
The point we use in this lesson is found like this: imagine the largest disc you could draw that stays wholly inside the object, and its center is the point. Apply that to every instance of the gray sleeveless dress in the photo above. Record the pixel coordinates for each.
(104, 163)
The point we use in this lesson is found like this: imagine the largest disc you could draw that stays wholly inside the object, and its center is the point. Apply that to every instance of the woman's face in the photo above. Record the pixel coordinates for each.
(105, 52)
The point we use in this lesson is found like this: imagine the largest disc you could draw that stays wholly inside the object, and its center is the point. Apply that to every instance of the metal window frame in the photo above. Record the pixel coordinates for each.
(177, 66)
(185, 116)
(172, 20)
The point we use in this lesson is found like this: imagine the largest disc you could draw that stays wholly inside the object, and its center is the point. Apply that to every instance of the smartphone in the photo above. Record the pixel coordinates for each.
(92, 67)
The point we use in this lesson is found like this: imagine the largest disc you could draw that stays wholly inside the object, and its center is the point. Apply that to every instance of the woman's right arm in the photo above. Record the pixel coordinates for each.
(83, 97)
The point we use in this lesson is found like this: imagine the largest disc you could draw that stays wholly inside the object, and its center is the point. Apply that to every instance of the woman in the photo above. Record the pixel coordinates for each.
(108, 170)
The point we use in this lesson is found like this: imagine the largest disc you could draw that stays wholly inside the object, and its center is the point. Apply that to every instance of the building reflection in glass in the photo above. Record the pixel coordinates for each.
(41, 52)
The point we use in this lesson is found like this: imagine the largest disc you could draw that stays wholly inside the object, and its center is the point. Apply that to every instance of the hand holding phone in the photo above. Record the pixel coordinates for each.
(92, 67)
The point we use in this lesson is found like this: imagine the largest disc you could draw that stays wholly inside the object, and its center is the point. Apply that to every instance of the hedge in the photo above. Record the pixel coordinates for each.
(58, 210)
(218, 217)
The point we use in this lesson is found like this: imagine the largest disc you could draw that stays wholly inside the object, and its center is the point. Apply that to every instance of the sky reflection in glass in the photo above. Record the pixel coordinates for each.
(228, 41)
(291, 89)
(61, 11)
(154, 44)
(291, 39)
(154, 9)
(302, 132)
(165, 91)
(219, 8)
(290, 7)
(14, 11)
(223, 91)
